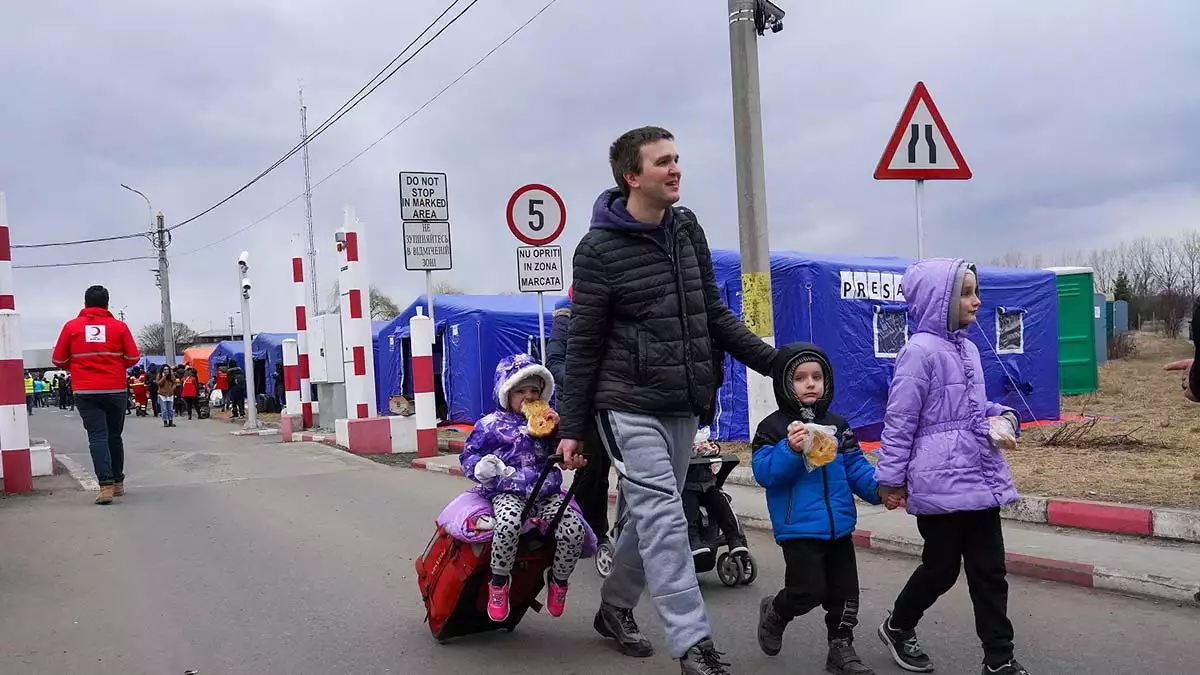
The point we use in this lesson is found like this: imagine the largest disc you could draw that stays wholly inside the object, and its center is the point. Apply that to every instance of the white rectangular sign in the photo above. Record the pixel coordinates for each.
(424, 196)
(427, 247)
(539, 269)
(886, 286)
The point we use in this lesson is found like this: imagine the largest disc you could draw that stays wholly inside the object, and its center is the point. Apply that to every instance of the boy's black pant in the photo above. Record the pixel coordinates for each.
(719, 512)
(824, 573)
(976, 539)
(591, 484)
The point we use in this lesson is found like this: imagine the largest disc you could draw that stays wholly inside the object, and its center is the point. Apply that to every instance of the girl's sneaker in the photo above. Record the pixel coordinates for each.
(556, 596)
(498, 602)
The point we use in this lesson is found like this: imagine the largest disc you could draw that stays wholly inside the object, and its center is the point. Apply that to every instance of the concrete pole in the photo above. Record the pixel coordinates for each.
(753, 237)
(244, 289)
(164, 283)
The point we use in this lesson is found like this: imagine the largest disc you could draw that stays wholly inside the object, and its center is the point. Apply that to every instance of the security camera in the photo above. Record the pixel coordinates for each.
(244, 261)
(339, 237)
(245, 285)
(768, 15)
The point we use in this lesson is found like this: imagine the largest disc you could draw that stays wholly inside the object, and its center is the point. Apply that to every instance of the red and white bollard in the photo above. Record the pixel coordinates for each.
(15, 462)
(420, 330)
(358, 356)
(306, 403)
(289, 421)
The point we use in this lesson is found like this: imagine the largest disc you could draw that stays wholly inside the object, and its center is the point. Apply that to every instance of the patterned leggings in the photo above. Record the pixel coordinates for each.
(507, 509)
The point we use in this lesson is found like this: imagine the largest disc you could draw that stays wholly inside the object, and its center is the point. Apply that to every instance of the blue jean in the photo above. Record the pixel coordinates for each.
(168, 408)
(103, 418)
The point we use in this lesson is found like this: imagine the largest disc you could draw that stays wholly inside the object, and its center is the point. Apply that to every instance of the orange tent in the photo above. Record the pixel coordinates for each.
(197, 357)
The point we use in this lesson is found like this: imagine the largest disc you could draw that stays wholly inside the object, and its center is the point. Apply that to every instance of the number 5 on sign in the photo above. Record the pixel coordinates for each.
(536, 214)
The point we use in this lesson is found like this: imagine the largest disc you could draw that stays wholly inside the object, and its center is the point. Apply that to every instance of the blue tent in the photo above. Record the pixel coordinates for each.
(225, 350)
(153, 361)
(852, 307)
(473, 333)
(268, 347)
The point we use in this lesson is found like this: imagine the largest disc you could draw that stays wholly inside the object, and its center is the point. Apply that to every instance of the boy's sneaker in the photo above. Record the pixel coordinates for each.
(843, 660)
(737, 546)
(498, 602)
(618, 624)
(770, 627)
(698, 547)
(556, 596)
(704, 659)
(1011, 668)
(904, 648)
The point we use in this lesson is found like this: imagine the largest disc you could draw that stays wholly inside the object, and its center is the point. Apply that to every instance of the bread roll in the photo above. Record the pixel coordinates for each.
(823, 450)
(541, 423)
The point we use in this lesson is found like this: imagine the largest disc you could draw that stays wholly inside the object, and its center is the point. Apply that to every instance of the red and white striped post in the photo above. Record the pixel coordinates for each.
(358, 357)
(291, 378)
(420, 330)
(14, 416)
(306, 403)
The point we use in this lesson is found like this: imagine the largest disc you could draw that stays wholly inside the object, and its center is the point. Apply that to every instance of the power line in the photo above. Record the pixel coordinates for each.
(84, 262)
(379, 140)
(345, 108)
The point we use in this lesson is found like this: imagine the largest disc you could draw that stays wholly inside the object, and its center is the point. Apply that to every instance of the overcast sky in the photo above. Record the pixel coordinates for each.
(1078, 118)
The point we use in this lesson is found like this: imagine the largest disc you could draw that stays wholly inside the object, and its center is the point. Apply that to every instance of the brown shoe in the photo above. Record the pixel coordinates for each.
(118, 489)
(106, 495)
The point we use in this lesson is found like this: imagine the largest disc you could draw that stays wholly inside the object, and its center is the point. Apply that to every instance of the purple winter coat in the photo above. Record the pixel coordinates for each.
(935, 435)
(505, 434)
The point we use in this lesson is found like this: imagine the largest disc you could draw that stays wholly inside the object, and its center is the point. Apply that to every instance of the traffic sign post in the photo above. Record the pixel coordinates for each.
(536, 216)
(920, 149)
(425, 214)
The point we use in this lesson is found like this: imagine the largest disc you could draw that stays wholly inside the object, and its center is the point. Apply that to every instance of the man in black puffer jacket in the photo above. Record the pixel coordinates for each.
(646, 316)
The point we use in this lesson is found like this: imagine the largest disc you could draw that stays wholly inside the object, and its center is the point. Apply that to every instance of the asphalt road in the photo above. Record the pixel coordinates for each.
(248, 556)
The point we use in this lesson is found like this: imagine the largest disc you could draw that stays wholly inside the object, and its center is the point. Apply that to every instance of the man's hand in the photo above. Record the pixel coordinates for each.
(572, 454)
(1184, 366)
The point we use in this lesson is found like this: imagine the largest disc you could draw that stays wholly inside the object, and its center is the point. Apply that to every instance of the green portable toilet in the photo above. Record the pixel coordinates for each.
(1077, 369)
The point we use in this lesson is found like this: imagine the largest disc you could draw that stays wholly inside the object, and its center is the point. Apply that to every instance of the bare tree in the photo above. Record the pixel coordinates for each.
(1189, 244)
(1168, 267)
(1104, 267)
(1140, 266)
(150, 337)
(1013, 259)
(445, 288)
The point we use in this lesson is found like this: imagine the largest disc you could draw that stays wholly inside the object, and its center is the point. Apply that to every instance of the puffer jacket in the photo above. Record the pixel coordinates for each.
(935, 436)
(645, 316)
(96, 348)
(505, 433)
(803, 504)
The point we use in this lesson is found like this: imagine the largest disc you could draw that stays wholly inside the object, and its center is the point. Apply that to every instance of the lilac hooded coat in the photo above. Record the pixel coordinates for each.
(505, 433)
(935, 435)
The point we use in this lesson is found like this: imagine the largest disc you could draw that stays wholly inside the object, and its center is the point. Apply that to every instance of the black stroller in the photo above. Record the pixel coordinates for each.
(732, 570)
(203, 408)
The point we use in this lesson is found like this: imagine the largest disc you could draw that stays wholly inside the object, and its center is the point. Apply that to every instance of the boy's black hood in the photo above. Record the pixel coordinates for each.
(790, 357)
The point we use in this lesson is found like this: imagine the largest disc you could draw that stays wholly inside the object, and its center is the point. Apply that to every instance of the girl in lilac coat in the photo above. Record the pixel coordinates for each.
(505, 460)
(941, 453)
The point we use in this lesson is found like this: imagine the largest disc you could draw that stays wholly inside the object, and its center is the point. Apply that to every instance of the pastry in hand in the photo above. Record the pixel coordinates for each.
(823, 450)
(541, 420)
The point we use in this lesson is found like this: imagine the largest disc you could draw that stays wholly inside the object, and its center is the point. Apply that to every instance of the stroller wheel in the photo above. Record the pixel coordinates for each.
(729, 570)
(605, 553)
(749, 569)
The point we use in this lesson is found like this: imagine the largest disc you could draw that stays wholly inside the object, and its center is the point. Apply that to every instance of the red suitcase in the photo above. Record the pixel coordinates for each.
(452, 576)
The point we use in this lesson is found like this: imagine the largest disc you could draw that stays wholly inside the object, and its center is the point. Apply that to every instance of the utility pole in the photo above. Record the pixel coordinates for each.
(312, 242)
(161, 241)
(747, 20)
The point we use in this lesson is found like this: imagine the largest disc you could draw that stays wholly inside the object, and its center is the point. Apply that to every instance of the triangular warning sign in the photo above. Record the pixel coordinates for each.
(921, 147)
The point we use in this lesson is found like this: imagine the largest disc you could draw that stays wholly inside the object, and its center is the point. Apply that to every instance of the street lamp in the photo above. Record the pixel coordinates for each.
(244, 285)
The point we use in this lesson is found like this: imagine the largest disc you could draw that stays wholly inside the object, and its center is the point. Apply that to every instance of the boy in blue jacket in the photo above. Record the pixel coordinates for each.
(812, 512)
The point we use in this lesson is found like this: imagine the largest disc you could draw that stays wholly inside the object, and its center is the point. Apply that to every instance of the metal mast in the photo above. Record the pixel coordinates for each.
(308, 219)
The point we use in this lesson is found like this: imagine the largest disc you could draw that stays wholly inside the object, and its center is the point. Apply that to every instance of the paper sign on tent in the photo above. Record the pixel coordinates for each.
(921, 147)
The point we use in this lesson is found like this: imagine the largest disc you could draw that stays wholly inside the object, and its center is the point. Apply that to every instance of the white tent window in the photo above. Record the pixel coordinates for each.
(1010, 331)
(891, 331)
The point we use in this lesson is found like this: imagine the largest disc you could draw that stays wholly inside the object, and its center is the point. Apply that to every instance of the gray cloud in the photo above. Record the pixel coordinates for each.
(1077, 119)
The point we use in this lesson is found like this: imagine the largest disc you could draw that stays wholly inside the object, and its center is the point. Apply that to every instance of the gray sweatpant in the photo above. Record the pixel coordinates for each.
(651, 457)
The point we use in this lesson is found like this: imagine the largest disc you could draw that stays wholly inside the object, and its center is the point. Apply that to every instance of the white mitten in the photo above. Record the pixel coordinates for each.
(491, 466)
(1001, 433)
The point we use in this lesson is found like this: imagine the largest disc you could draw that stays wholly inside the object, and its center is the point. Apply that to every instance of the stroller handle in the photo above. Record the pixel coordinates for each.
(551, 463)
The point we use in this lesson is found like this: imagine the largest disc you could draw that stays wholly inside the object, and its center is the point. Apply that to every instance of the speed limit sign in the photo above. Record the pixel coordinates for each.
(536, 214)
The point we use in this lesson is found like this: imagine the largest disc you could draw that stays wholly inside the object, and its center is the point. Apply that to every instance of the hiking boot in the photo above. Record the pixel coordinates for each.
(118, 489)
(770, 627)
(618, 624)
(904, 648)
(1013, 667)
(497, 607)
(843, 660)
(704, 659)
(106, 495)
(556, 596)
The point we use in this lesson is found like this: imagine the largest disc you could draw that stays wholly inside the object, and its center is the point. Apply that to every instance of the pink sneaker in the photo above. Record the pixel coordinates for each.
(498, 602)
(556, 597)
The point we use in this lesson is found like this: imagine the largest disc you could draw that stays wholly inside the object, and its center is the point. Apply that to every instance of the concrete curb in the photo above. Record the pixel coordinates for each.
(1143, 521)
(1046, 569)
(255, 432)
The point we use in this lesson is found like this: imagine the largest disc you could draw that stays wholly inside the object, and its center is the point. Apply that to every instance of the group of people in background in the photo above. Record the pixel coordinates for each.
(41, 391)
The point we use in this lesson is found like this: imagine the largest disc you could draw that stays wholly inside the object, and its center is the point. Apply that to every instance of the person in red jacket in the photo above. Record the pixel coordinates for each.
(98, 349)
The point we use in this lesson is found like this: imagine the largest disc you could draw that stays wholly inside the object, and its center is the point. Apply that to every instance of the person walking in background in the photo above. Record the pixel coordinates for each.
(166, 395)
(237, 390)
(187, 392)
(97, 349)
(28, 392)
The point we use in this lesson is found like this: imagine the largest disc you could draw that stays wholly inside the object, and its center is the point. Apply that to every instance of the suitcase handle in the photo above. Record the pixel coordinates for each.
(551, 462)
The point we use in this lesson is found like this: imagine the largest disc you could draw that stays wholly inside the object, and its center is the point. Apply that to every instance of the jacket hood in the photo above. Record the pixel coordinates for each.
(931, 289)
(95, 312)
(609, 213)
(512, 370)
(790, 357)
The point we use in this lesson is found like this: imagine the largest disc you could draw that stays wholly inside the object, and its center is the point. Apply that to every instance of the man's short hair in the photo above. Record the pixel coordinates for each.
(96, 296)
(625, 154)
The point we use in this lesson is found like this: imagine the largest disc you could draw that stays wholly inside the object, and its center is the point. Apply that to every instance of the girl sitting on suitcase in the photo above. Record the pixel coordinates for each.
(504, 454)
